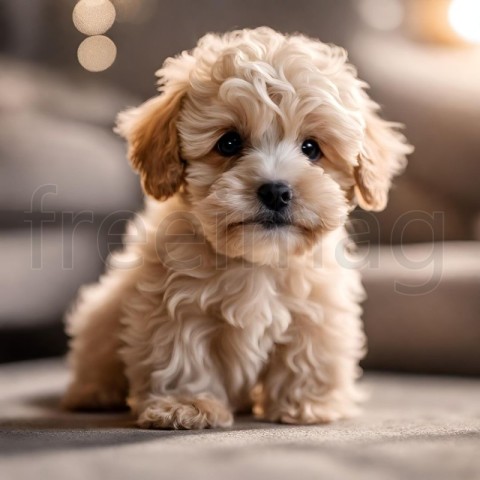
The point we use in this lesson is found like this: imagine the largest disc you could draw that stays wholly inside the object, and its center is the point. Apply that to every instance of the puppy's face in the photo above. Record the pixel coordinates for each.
(271, 139)
(262, 172)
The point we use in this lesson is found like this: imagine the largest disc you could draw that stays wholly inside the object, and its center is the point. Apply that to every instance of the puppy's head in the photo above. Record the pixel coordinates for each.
(271, 140)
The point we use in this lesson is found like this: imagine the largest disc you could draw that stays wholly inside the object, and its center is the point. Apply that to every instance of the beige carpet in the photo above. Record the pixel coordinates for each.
(413, 428)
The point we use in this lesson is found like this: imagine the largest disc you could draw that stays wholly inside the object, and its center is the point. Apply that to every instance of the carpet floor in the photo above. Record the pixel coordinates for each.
(413, 427)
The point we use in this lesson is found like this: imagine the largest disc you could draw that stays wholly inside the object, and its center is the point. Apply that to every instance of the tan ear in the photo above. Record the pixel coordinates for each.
(153, 146)
(382, 157)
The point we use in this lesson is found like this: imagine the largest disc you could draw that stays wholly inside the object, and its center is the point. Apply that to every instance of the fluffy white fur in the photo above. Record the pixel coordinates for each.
(208, 312)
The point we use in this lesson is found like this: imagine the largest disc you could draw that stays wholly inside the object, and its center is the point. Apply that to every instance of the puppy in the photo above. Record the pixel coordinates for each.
(236, 292)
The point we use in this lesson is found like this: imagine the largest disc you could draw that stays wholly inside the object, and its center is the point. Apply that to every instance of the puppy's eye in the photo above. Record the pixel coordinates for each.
(312, 150)
(229, 144)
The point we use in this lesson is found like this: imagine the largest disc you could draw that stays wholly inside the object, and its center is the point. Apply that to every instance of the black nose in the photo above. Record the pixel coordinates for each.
(275, 196)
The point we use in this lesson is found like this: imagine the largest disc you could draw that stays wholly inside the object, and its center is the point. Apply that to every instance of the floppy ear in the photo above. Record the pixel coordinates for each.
(382, 157)
(151, 132)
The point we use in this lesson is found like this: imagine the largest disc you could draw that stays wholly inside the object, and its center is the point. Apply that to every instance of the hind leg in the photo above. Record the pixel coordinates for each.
(99, 381)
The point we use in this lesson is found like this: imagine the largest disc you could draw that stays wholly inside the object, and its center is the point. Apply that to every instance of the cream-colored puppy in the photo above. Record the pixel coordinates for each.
(254, 153)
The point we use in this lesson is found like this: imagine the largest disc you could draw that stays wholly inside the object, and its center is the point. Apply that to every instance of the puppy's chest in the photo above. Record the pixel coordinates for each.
(258, 301)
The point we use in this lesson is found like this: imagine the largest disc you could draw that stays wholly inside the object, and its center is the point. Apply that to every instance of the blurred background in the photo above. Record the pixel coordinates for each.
(66, 189)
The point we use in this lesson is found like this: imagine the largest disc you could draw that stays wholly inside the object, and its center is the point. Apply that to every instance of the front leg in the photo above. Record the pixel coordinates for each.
(174, 382)
(311, 375)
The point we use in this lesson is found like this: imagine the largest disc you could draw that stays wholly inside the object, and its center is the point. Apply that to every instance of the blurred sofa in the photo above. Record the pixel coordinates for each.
(65, 194)
(423, 279)
(66, 188)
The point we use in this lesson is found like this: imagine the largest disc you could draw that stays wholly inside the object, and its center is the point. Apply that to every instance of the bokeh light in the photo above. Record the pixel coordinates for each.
(97, 53)
(93, 17)
(464, 16)
(381, 14)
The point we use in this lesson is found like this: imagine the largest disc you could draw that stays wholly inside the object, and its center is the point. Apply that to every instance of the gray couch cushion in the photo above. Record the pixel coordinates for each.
(57, 148)
(42, 271)
(423, 307)
(62, 166)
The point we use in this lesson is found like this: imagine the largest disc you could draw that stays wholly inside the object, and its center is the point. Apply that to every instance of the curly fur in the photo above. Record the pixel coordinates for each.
(209, 312)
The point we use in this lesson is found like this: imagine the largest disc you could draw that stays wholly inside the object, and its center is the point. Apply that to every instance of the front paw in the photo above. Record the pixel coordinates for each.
(184, 413)
(311, 413)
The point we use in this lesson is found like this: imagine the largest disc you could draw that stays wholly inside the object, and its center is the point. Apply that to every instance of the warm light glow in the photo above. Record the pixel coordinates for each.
(96, 53)
(381, 14)
(464, 16)
(93, 17)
